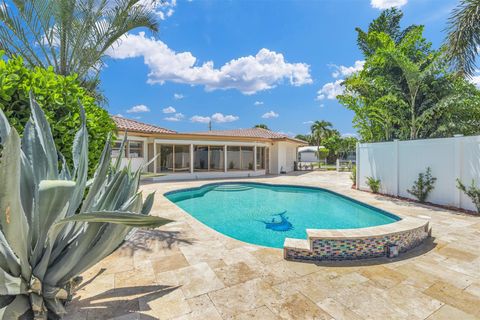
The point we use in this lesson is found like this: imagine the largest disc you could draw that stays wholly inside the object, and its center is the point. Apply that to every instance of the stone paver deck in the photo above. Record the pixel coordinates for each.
(186, 270)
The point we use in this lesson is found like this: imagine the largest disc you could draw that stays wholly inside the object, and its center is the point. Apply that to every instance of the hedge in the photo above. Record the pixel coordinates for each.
(59, 97)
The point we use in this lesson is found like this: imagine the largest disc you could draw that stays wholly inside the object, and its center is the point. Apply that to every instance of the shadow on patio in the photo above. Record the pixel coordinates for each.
(122, 301)
(143, 239)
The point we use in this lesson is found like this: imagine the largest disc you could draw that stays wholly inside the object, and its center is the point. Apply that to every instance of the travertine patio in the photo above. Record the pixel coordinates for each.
(185, 270)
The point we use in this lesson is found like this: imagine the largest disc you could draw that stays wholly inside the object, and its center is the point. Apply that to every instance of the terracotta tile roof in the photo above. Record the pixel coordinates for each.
(259, 133)
(137, 126)
(248, 133)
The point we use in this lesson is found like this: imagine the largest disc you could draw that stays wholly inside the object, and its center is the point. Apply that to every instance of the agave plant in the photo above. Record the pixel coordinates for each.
(54, 223)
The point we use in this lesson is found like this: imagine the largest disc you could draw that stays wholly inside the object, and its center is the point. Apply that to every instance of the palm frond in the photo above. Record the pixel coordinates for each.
(73, 36)
(463, 39)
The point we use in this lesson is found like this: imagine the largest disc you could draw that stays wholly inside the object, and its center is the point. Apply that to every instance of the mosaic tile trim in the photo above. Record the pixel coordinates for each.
(352, 249)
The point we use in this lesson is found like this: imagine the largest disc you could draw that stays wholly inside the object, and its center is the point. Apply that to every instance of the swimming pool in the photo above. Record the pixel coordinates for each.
(266, 214)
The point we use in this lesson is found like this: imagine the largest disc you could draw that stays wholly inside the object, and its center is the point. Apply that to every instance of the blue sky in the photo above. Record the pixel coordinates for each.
(239, 63)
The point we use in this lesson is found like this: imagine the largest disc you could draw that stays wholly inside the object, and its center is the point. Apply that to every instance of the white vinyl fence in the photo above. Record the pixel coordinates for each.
(398, 163)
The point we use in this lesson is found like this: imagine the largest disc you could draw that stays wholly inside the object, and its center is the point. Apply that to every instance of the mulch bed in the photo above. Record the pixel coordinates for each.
(451, 208)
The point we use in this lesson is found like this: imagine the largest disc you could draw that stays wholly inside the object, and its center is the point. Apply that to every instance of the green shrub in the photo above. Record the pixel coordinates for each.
(423, 185)
(353, 175)
(473, 192)
(374, 184)
(59, 98)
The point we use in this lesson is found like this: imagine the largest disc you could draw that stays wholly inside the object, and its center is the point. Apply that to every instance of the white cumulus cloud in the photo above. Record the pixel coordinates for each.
(178, 96)
(138, 108)
(330, 90)
(258, 103)
(270, 114)
(249, 74)
(385, 4)
(216, 117)
(349, 135)
(220, 118)
(308, 122)
(176, 117)
(344, 71)
(200, 119)
(162, 8)
(169, 110)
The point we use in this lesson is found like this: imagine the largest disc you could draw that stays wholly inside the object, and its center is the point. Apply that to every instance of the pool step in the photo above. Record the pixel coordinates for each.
(232, 187)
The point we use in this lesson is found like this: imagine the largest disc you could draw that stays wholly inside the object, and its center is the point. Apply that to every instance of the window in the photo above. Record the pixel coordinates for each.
(200, 158)
(182, 158)
(132, 149)
(135, 149)
(217, 155)
(260, 158)
(247, 158)
(165, 160)
(233, 158)
(116, 149)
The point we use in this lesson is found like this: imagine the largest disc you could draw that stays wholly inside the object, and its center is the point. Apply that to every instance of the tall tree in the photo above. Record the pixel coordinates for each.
(388, 22)
(261, 126)
(406, 92)
(321, 129)
(463, 38)
(304, 137)
(70, 35)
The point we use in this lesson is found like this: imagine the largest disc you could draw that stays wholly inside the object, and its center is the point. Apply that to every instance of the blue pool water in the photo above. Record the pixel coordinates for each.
(267, 214)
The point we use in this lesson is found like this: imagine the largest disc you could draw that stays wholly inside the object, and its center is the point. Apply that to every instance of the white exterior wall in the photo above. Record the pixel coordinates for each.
(274, 159)
(283, 155)
(290, 156)
(397, 164)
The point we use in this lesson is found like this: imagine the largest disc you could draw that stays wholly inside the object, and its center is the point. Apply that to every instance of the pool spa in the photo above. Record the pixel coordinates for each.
(309, 223)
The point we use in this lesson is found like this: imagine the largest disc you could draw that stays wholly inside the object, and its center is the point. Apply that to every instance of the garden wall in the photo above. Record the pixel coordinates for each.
(398, 163)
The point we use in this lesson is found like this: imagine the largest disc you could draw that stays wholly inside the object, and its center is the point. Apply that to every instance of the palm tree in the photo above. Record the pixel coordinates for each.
(304, 137)
(417, 77)
(70, 35)
(463, 39)
(321, 129)
(261, 126)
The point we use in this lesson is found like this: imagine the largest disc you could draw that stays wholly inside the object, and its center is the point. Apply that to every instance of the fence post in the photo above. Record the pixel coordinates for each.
(357, 164)
(457, 167)
(396, 165)
(338, 165)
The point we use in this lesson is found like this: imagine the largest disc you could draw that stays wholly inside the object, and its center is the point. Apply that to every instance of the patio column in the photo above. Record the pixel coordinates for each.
(191, 157)
(255, 158)
(154, 155)
(225, 158)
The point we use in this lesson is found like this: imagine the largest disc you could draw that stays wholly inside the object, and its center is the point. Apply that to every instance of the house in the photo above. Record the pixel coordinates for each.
(309, 153)
(209, 154)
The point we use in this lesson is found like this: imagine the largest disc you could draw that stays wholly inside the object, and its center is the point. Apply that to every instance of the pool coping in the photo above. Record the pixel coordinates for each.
(398, 233)
(396, 227)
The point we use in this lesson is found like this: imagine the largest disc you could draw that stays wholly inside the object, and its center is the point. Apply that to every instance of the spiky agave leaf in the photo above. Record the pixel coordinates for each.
(48, 233)
(123, 218)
